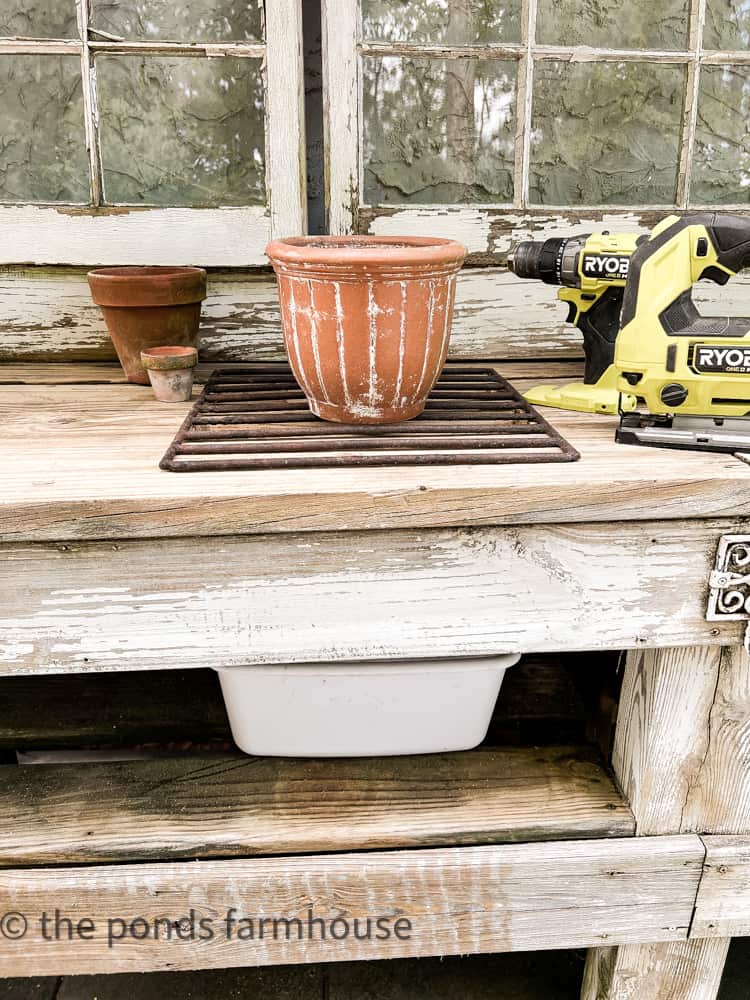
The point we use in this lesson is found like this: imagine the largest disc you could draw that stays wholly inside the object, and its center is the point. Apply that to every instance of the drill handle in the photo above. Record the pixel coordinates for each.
(599, 325)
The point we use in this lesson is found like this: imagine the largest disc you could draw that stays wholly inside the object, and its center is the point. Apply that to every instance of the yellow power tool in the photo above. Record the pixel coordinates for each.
(592, 270)
(690, 373)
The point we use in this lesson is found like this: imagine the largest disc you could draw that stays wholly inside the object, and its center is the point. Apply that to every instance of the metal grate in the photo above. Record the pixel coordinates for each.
(256, 417)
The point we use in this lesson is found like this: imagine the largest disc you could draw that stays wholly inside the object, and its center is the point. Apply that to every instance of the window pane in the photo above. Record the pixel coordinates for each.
(181, 131)
(721, 158)
(450, 22)
(38, 18)
(180, 20)
(630, 24)
(605, 133)
(439, 130)
(42, 138)
(727, 24)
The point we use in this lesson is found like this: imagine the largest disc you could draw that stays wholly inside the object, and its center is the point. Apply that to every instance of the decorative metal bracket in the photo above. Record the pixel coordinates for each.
(729, 596)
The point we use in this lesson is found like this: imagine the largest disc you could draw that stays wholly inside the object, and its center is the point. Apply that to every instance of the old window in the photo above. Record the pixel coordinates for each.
(498, 116)
(149, 130)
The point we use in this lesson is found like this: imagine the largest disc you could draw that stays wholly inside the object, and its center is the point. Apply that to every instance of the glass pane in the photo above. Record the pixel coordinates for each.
(727, 24)
(42, 138)
(180, 20)
(38, 18)
(449, 22)
(439, 130)
(721, 158)
(605, 133)
(181, 131)
(630, 24)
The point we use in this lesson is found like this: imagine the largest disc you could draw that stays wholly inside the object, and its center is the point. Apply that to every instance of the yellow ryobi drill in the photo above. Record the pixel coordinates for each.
(645, 342)
(592, 270)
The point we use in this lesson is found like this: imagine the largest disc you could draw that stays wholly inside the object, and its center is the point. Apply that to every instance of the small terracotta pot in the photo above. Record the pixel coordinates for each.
(148, 307)
(170, 372)
(366, 320)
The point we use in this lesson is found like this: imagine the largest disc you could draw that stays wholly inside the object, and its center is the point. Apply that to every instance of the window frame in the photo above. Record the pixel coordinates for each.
(80, 234)
(489, 229)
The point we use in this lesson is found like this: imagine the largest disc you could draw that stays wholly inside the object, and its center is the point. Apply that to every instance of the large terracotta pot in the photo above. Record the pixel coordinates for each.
(148, 307)
(366, 320)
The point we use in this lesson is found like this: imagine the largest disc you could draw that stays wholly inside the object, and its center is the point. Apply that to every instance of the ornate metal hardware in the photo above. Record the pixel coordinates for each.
(729, 596)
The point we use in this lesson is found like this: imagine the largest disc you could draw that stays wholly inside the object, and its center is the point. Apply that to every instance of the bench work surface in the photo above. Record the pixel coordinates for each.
(81, 449)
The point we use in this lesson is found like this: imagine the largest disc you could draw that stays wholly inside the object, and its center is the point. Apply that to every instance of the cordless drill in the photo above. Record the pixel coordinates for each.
(592, 270)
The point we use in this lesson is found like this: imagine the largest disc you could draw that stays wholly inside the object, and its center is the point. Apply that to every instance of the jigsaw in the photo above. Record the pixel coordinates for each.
(676, 378)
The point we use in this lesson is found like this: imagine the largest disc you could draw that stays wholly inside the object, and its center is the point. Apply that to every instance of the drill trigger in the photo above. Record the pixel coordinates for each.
(572, 312)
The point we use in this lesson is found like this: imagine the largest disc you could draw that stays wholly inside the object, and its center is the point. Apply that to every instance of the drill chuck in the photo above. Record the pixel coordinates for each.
(553, 261)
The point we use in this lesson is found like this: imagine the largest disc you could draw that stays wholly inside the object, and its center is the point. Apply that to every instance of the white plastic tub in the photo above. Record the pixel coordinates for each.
(362, 709)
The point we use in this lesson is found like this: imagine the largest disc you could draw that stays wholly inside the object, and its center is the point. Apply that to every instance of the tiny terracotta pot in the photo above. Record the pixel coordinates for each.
(147, 307)
(366, 320)
(170, 372)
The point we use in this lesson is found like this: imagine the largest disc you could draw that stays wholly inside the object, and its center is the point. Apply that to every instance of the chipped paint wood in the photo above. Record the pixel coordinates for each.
(285, 119)
(341, 99)
(677, 970)
(722, 909)
(48, 315)
(214, 602)
(237, 806)
(99, 447)
(489, 233)
(459, 900)
(210, 237)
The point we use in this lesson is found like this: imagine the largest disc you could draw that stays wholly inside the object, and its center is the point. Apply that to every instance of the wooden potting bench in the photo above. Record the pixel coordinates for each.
(108, 564)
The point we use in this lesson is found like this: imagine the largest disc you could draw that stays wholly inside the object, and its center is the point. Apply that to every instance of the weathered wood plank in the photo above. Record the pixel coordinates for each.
(337, 596)
(76, 234)
(677, 970)
(99, 447)
(722, 909)
(719, 796)
(220, 805)
(656, 759)
(674, 704)
(457, 901)
(686, 775)
(523, 374)
(48, 315)
(694, 777)
(489, 233)
(285, 116)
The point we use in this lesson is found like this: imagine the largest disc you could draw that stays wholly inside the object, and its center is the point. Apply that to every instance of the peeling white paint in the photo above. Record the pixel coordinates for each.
(454, 593)
(467, 225)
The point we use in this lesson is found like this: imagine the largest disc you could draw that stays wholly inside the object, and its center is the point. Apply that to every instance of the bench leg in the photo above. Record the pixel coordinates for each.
(682, 757)
(672, 970)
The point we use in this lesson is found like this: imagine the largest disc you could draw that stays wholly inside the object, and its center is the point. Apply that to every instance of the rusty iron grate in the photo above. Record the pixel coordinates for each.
(256, 417)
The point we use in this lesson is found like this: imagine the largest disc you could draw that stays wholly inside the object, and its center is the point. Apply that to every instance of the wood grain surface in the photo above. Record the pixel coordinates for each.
(458, 900)
(681, 759)
(222, 805)
(722, 909)
(673, 970)
(662, 735)
(211, 602)
(81, 461)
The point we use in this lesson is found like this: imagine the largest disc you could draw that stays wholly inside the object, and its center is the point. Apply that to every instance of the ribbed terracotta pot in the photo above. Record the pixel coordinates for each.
(366, 320)
(147, 307)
